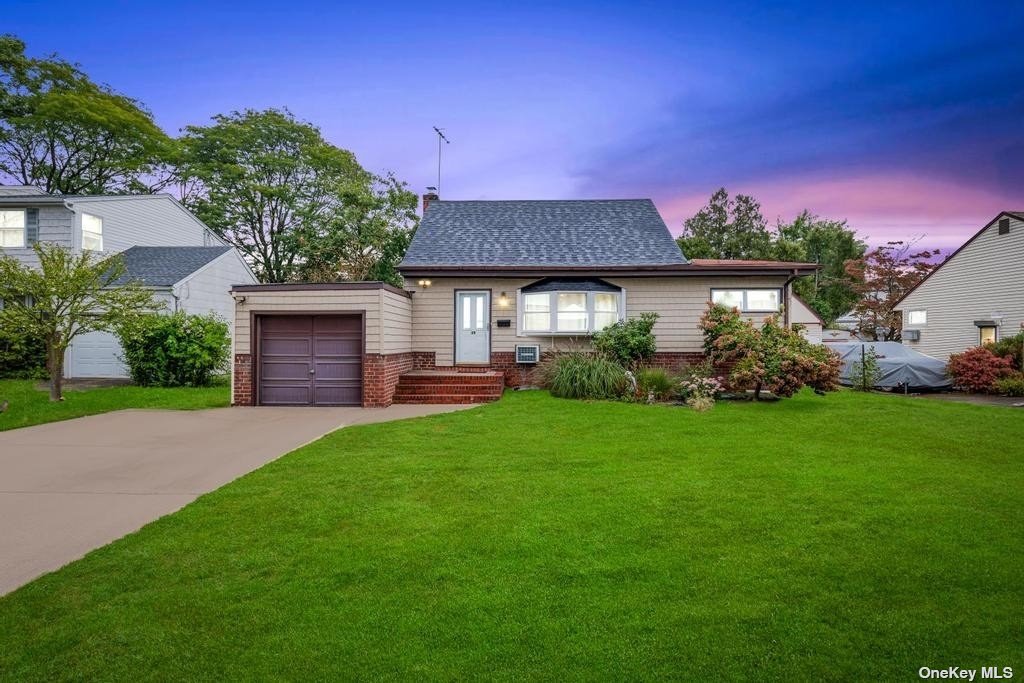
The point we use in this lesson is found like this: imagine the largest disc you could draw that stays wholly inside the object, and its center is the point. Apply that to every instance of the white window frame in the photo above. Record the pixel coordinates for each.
(91, 232)
(745, 308)
(552, 329)
(924, 317)
(24, 230)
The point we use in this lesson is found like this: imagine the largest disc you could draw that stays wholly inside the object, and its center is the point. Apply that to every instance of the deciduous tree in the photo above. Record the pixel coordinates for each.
(68, 295)
(881, 278)
(727, 228)
(65, 134)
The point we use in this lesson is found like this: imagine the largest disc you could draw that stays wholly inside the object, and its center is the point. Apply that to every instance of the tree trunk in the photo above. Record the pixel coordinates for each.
(757, 391)
(55, 361)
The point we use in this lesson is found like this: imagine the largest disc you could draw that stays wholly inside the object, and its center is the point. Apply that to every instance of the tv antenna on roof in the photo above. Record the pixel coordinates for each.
(440, 137)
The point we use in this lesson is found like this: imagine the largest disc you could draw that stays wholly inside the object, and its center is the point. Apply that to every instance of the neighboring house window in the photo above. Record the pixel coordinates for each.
(92, 232)
(12, 228)
(565, 312)
(748, 300)
(917, 317)
(988, 335)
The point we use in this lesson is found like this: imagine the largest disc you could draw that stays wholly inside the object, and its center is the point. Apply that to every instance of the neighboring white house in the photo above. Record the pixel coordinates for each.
(810, 323)
(975, 296)
(165, 248)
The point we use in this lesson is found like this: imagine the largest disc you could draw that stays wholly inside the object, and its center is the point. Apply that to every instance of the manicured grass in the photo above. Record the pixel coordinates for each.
(30, 406)
(854, 537)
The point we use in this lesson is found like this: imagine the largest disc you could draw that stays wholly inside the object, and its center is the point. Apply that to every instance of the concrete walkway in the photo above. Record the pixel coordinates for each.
(69, 487)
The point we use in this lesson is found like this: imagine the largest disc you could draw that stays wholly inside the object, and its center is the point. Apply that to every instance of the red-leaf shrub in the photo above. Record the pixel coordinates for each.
(978, 369)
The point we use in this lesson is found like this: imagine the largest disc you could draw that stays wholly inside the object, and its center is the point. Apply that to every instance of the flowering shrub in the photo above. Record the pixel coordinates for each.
(770, 357)
(978, 369)
(699, 387)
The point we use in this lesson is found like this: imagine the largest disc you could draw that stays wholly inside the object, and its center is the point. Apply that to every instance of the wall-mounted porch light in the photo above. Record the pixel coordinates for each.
(503, 300)
(424, 283)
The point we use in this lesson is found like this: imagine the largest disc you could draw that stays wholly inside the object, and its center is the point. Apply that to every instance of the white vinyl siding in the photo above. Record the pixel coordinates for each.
(980, 282)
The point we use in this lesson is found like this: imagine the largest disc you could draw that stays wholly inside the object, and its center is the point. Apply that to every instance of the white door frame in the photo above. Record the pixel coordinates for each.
(473, 345)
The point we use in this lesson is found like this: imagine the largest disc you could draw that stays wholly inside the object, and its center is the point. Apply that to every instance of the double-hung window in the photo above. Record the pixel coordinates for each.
(749, 300)
(569, 311)
(12, 228)
(92, 232)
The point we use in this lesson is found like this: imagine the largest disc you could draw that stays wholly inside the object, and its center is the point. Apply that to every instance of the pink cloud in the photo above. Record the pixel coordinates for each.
(878, 207)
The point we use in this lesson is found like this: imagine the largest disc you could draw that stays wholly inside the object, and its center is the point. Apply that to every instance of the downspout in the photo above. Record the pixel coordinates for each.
(786, 298)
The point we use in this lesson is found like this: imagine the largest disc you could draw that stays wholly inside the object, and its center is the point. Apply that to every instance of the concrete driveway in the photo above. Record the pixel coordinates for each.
(69, 487)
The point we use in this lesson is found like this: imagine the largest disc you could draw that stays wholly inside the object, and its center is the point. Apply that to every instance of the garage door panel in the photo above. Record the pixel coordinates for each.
(347, 395)
(290, 347)
(338, 347)
(285, 346)
(286, 370)
(286, 395)
(352, 324)
(328, 370)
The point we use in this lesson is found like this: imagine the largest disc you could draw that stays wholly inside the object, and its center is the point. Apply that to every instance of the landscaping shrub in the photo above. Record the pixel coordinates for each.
(865, 372)
(1012, 348)
(1011, 385)
(629, 343)
(175, 350)
(770, 357)
(583, 375)
(978, 369)
(655, 383)
(699, 386)
(22, 356)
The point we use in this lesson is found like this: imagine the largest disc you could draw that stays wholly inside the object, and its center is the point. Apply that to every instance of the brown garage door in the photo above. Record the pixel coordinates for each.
(310, 360)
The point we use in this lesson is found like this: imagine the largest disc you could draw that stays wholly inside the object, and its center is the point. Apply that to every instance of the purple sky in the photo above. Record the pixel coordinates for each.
(905, 118)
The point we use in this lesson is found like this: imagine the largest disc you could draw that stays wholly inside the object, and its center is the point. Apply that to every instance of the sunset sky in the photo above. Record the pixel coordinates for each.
(905, 118)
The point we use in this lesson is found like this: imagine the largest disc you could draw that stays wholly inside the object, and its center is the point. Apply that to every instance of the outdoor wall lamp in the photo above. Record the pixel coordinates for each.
(503, 300)
(424, 283)
(239, 299)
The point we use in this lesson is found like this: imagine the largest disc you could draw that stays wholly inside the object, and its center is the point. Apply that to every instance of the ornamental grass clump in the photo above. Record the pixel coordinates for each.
(583, 375)
(655, 384)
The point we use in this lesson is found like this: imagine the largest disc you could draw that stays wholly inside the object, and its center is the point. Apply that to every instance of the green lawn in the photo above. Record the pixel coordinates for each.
(846, 537)
(30, 406)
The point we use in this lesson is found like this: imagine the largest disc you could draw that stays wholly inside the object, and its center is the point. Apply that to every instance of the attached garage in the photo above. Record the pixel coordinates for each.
(310, 360)
(320, 344)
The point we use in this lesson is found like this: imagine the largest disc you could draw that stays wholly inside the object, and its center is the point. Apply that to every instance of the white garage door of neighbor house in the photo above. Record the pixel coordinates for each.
(96, 354)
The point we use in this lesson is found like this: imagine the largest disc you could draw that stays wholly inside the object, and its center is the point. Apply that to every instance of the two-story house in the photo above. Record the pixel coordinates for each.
(164, 246)
(974, 297)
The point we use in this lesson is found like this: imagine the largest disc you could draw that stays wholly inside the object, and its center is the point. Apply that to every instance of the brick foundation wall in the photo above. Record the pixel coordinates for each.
(241, 384)
(380, 377)
(424, 360)
(674, 361)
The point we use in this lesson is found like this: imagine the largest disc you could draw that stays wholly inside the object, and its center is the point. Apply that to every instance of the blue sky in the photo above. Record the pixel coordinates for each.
(905, 118)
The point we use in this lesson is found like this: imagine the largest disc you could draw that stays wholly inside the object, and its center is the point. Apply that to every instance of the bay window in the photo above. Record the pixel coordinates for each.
(558, 309)
(12, 228)
(749, 300)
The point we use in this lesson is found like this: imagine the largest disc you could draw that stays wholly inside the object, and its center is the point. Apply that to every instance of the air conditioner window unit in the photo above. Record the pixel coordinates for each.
(912, 335)
(527, 353)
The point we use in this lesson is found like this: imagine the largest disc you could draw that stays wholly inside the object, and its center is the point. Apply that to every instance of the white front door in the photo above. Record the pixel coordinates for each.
(473, 327)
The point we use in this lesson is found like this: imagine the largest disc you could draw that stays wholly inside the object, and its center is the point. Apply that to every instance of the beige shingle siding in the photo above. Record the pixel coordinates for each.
(679, 301)
(984, 278)
(396, 323)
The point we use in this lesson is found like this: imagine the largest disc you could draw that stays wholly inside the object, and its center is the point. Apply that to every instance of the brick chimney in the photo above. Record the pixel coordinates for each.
(427, 198)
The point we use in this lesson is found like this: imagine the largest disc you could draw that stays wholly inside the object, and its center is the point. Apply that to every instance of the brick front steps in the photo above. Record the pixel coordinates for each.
(449, 386)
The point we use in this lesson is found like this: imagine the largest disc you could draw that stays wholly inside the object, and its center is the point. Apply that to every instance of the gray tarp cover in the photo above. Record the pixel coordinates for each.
(899, 364)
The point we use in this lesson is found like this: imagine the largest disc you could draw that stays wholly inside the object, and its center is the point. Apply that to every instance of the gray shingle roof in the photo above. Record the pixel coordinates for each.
(19, 191)
(165, 266)
(547, 234)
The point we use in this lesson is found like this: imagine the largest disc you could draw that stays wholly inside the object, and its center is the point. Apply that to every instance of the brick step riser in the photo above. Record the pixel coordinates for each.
(442, 391)
(450, 398)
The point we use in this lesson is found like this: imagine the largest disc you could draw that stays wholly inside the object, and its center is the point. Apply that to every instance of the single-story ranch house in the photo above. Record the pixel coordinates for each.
(490, 286)
(974, 297)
